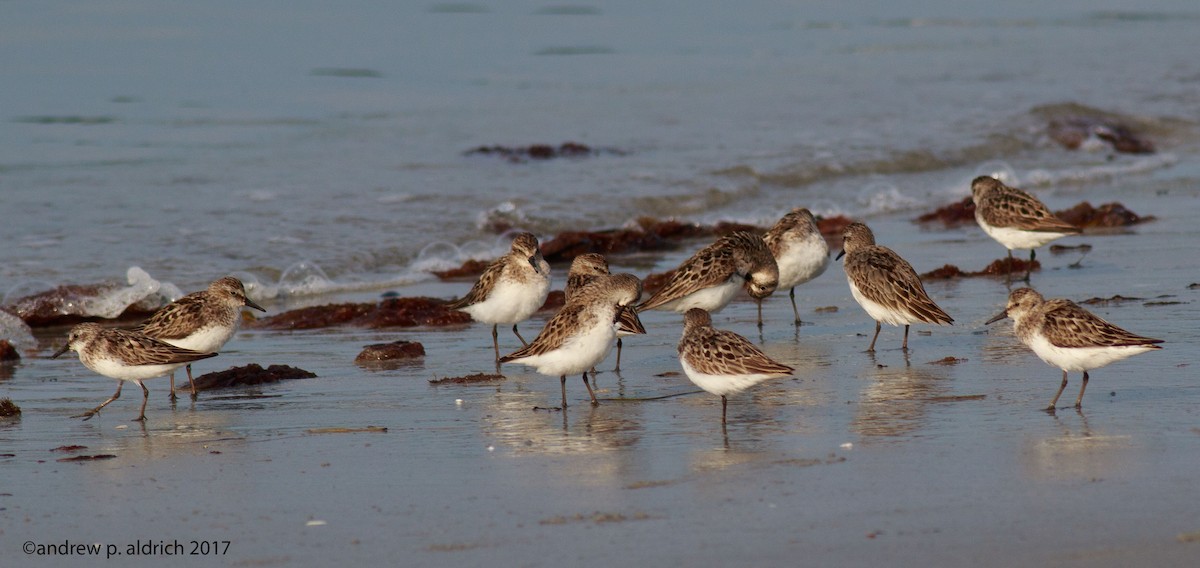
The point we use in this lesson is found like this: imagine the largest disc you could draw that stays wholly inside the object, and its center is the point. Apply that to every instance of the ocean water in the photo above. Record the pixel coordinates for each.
(319, 151)
(196, 141)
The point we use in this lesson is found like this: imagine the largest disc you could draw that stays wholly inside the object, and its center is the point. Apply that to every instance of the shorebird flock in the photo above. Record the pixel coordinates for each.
(601, 307)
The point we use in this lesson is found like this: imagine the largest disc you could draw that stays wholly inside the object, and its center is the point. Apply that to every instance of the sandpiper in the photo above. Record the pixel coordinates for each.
(586, 268)
(800, 251)
(581, 334)
(722, 362)
(711, 278)
(1069, 337)
(125, 356)
(202, 321)
(1015, 218)
(885, 285)
(510, 290)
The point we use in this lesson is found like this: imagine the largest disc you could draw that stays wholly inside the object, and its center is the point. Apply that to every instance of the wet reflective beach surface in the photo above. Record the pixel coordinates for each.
(942, 456)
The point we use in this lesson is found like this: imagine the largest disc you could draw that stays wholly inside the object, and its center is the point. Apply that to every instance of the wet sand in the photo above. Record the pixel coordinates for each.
(858, 460)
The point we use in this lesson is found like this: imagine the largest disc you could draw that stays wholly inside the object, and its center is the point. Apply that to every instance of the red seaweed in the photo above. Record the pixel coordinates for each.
(392, 312)
(396, 350)
(998, 267)
(252, 374)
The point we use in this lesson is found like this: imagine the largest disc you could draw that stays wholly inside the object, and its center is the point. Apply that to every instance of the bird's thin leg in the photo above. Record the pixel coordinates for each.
(523, 342)
(618, 368)
(173, 397)
(1029, 267)
(563, 381)
(92, 412)
(589, 388)
(724, 403)
(1054, 400)
(190, 381)
(496, 346)
(145, 398)
(795, 311)
(904, 346)
(1083, 387)
(1008, 273)
(871, 349)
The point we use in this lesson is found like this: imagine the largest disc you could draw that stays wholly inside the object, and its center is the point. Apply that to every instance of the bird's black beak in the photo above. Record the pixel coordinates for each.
(252, 304)
(840, 255)
(997, 318)
(61, 351)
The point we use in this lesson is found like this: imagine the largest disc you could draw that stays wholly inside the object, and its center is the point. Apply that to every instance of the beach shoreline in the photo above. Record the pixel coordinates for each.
(940, 457)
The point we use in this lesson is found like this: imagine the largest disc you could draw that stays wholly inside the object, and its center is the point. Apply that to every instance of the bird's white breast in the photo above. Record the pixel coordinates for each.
(206, 339)
(802, 261)
(1080, 358)
(712, 299)
(511, 302)
(1017, 238)
(582, 351)
(722, 385)
(879, 312)
(115, 369)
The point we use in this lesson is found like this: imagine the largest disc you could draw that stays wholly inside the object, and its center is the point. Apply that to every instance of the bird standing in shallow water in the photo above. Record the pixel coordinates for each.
(125, 356)
(1015, 218)
(202, 321)
(800, 251)
(510, 289)
(885, 285)
(581, 334)
(1069, 337)
(722, 362)
(586, 268)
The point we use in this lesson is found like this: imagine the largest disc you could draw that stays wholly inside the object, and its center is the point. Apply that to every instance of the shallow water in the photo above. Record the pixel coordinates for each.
(189, 142)
(858, 460)
(191, 145)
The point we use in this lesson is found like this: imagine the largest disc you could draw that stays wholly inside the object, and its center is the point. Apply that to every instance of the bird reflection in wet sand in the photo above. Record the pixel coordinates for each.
(722, 362)
(596, 429)
(582, 333)
(1072, 450)
(1069, 337)
(895, 401)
